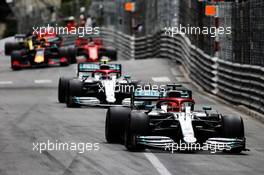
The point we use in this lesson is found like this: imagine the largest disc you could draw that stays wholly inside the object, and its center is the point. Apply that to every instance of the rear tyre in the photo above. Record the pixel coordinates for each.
(63, 53)
(112, 54)
(72, 54)
(10, 47)
(116, 118)
(75, 90)
(137, 125)
(233, 127)
(62, 89)
(16, 58)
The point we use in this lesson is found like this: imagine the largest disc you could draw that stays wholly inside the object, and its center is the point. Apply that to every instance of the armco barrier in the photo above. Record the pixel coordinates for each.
(238, 83)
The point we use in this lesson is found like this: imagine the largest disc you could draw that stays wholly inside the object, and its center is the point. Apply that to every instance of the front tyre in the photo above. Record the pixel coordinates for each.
(116, 118)
(75, 90)
(233, 127)
(15, 60)
(62, 89)
(137, 125)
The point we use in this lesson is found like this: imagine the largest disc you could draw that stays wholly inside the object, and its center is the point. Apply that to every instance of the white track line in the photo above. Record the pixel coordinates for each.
(161, 79)
(6, 82)
(42, 81)
(157, 164)
(173, 71)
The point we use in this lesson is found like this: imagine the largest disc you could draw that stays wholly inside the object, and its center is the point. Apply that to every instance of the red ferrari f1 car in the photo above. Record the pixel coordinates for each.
(93, 49)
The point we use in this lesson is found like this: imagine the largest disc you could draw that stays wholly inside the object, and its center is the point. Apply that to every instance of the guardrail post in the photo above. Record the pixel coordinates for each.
(215, 73)
(132, 47)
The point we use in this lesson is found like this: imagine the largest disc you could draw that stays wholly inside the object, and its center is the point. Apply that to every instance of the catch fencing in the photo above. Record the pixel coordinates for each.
(30, 13)
(248, 25)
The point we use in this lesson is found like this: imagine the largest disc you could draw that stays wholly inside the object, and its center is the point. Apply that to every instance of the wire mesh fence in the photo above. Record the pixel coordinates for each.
(192, 14)
(246, 19)
(248, 35)
(29, 13)
(256, 32)
(226, 41)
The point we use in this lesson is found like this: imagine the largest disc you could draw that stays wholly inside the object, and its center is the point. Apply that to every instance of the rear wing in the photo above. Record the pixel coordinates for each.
(91, 67)
(177, 91)
(173, 86)
(116, 67)
(20, 36)
(88, 67)
(144, 97)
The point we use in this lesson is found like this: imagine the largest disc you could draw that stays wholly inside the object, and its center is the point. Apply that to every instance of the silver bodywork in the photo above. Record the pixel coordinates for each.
(189, 141)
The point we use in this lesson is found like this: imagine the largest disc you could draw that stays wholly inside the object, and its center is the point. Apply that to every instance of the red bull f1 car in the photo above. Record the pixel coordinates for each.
(34, 51)
(168, 120)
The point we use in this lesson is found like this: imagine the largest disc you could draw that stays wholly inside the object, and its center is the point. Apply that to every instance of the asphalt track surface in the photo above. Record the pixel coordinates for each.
(30, 112)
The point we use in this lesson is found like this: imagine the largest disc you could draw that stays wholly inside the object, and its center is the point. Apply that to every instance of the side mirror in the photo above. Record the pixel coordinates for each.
(84, 77)
(149, 107)
(127, 76)
(126, 102)
(207, 108)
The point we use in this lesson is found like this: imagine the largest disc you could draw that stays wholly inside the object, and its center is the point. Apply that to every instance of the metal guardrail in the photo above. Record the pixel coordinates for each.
(238, 83)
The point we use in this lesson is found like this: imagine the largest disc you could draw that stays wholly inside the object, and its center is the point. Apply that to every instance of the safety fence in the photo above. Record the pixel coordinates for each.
(248, 36)
(241, 84)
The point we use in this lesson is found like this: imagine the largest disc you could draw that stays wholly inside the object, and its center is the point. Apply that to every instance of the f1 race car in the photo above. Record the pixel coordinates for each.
(93, 49)
(31, 51)
(167, 120)
(95, 85)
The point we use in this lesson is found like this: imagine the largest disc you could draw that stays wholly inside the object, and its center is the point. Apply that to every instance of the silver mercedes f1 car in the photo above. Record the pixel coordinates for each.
(168, 121)
(96, 85)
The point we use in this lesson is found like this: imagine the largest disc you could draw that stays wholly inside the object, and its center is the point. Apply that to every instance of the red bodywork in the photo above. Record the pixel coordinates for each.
(71, 25)
(106, 72)
(175, 104)
(89, 48)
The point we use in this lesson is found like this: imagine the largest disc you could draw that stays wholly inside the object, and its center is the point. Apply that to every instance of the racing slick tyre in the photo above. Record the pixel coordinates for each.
(63, 89)
(15, 60)
(233, 127)
(116, 118)
(72, 54)
(112, 54)
(63, 53)
(137, 125)
(75, 90)
(11, 46)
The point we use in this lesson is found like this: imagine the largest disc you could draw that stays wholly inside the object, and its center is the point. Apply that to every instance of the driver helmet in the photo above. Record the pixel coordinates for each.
(104, 60)
(172, 107)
